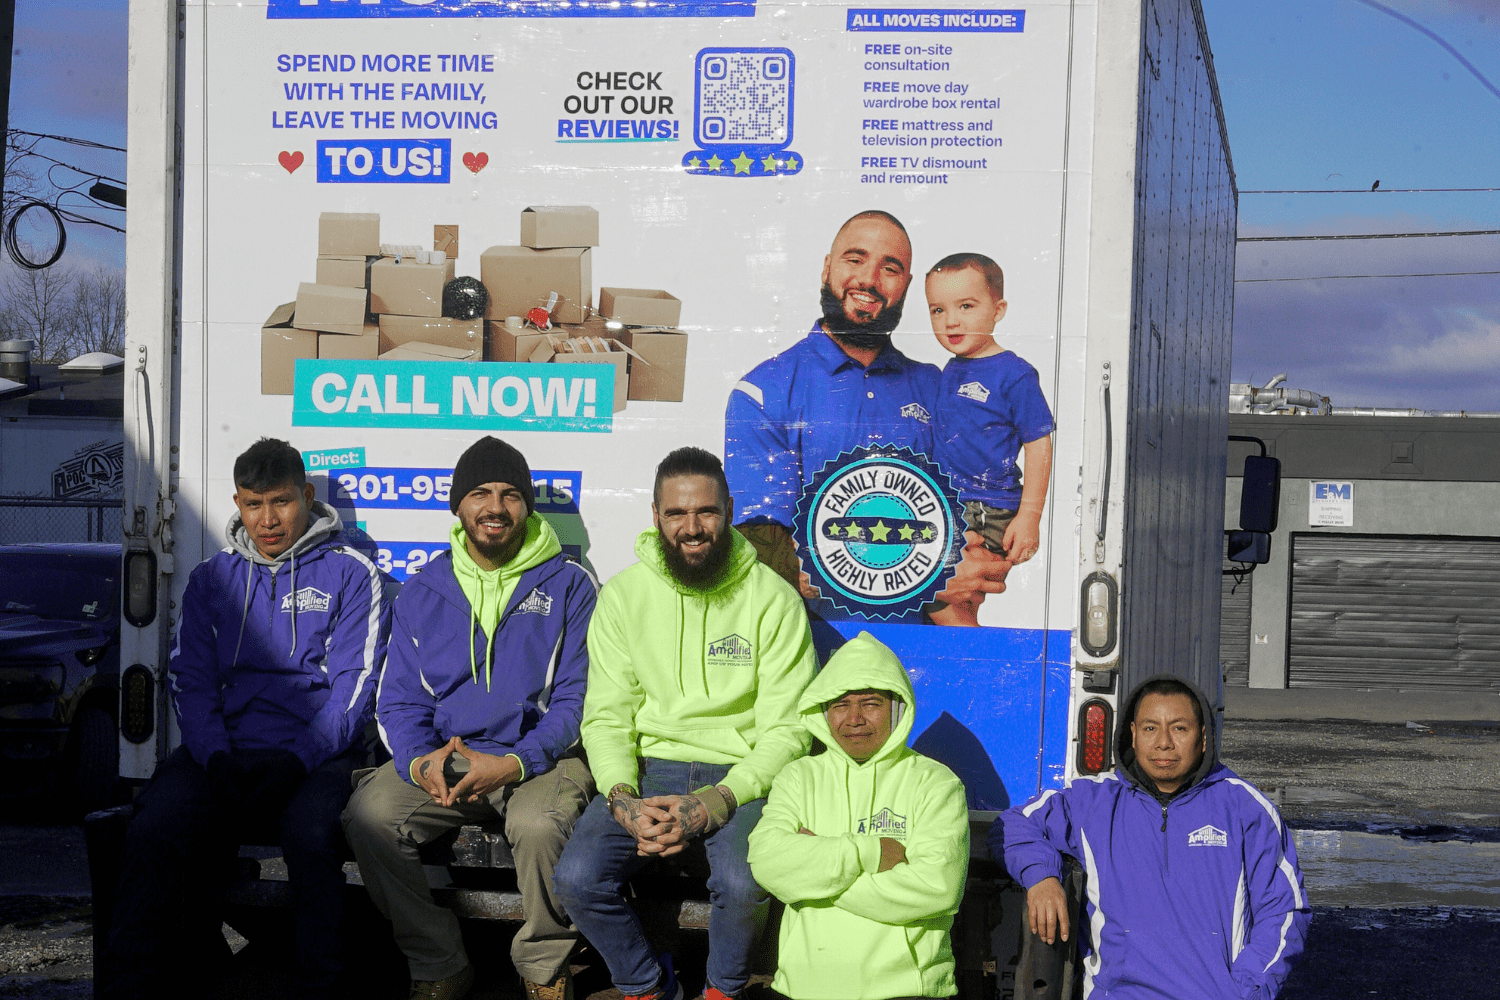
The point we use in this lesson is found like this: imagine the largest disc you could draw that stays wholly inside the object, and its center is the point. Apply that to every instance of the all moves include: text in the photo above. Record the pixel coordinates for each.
(433, 394)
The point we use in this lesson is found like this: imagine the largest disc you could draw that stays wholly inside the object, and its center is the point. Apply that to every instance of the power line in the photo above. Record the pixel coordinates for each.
(1369, 190)
(1419, 26)
(1364, 236)
(91, 144)
(1338, 277)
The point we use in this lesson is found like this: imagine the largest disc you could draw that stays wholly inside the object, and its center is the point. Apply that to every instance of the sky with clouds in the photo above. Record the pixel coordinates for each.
(1324, 94)
(1340, 94)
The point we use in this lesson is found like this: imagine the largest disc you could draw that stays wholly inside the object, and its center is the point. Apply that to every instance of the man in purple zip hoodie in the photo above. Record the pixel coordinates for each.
(480, 704)
(1193, 887)
(273, 675)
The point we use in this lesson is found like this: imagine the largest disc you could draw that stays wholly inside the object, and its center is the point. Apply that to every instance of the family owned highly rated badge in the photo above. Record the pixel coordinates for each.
(879, 531)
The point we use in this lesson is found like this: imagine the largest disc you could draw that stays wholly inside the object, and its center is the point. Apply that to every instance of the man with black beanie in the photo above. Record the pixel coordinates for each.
(479, 706)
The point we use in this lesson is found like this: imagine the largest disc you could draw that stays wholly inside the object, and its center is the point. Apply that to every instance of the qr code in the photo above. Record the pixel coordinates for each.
(745, 96)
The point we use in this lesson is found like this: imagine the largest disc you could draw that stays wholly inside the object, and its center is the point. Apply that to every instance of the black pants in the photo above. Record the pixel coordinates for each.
(179, 857)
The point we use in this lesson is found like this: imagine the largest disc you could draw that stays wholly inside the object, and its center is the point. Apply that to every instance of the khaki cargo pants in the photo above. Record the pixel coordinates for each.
(387, 820)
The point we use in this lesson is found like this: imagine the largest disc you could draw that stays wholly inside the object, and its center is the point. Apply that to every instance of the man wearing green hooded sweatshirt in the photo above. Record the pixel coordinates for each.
(479, 706)
(696, 657)
(867, 844)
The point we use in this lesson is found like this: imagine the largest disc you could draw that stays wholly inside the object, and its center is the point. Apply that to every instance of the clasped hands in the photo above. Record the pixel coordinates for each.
(487, 772)
(662, 825)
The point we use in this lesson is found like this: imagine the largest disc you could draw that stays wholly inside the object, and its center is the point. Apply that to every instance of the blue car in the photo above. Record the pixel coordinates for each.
(60, 665)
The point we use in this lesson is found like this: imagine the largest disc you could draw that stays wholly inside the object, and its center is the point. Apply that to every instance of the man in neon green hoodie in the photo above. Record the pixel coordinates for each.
(867, 844)
(697, 654)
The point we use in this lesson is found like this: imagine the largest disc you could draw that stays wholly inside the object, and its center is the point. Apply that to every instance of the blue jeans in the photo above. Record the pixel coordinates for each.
(601, 856)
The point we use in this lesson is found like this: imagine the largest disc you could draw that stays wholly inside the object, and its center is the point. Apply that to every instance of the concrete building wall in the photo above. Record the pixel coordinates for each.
(1380, 507)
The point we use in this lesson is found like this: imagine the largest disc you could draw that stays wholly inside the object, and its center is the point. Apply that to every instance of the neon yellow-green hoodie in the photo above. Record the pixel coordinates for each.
(710, 676)
(850, 931)
(489, 591)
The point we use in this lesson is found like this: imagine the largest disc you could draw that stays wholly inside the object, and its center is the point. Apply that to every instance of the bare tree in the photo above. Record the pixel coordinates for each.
(37, 307)
(96, 313)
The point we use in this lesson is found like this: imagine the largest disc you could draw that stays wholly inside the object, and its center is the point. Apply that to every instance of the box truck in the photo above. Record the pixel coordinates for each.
(383, 229)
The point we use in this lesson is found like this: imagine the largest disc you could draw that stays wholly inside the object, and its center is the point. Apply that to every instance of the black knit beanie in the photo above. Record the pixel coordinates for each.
(490, 460)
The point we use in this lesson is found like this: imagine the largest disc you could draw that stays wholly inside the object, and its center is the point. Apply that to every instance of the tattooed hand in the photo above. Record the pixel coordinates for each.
(642, 820)
(427, 772)
(690, 817)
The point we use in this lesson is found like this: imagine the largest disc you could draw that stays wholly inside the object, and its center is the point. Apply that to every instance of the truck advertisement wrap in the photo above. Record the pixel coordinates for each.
(602, 231)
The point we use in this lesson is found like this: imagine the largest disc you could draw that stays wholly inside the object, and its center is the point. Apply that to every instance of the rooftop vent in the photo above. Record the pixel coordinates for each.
(96, 363)
(15, 360)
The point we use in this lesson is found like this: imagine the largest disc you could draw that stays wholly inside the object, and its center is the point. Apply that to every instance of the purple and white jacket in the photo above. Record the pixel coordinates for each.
(1195, 898)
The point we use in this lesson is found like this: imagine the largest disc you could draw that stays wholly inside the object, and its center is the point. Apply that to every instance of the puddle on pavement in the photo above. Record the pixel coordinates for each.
(1313, 795)
(1342, 868)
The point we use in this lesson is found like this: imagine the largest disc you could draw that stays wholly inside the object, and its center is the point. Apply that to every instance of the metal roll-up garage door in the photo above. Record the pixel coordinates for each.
(1395, 612)
(1234, 628)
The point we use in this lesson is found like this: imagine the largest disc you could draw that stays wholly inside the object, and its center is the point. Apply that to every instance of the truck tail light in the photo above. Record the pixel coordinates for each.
(1094, 725)
(137, 704)
(1100, 609)
(140, 587)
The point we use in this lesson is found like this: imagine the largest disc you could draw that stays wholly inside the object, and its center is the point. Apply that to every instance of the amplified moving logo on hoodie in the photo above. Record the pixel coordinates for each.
(308, 599)
(731, 651)
(884, 824)
(1208, 836)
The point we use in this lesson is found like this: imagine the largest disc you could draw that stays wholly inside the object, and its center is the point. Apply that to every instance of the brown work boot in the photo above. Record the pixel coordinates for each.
(454, 987)
(560, 988)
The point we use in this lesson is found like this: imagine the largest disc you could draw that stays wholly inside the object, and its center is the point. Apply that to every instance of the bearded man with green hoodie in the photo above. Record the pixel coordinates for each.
(697, 655)
(867, 844)
(479, 706)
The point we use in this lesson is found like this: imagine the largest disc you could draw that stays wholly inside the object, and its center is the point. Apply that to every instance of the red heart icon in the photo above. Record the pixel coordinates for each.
(290, 161)
(476, 161)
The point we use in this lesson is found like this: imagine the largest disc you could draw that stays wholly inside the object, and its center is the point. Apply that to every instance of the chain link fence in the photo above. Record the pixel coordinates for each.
(40, 519)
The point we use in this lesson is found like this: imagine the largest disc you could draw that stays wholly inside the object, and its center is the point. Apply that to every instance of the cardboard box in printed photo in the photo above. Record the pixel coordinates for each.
(281, 345)
(592, 351)
(330, 309)
(665, 353)
(417, 351)
(348, 234)
(405, 287)
(520, 279)
(506, 344)
(348, 271)
(547, 226)
(445, 238)
(588, 350)
(464, 334)
(365, 347)
(640, 306)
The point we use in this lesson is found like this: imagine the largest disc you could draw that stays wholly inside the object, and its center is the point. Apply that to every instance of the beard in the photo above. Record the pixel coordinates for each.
(500, 552)
(870, 335)
(707, 570)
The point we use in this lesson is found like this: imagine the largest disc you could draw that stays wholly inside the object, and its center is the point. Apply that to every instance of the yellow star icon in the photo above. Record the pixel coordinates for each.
(927, 533)
(791, 163)
(855, 531)
(742, 163)
(769, 164)
(714, 163)
(880, 532)
(694, 163)
(906, 532)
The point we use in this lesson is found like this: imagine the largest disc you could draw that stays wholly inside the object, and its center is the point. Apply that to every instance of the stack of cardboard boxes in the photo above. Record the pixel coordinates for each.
(633, 328)
(367, 301)
(372, 300)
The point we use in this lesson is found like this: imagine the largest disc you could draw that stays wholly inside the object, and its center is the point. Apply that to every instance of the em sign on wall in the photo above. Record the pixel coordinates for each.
(1330, 505)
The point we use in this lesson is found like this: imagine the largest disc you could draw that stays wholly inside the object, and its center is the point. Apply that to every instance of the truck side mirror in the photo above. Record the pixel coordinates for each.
(1249, 546)
(1260, 495)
